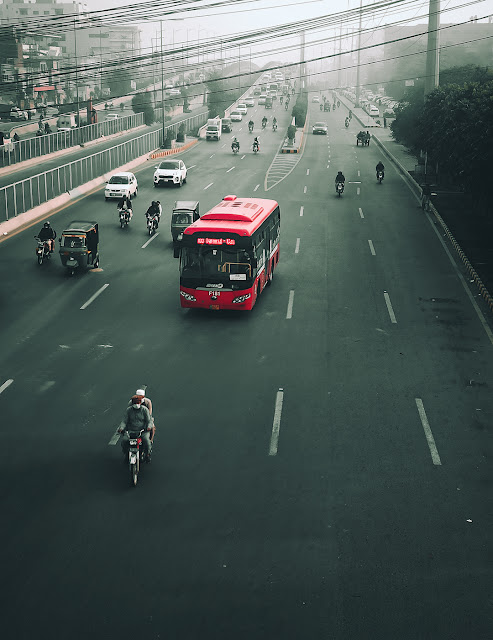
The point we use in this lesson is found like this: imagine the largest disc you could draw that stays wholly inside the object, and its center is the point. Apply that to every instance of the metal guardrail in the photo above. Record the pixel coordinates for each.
(26, 194)
(37, 146)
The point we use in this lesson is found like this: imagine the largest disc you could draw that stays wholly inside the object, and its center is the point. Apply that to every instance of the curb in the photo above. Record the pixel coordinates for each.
(169, 152)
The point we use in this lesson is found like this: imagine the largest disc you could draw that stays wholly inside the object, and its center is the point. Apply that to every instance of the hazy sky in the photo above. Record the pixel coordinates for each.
(217, 23)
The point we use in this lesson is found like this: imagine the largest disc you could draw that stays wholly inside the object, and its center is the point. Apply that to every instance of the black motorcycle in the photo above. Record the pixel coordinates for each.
(43, 251)
(379, 176)
(124, 217)
(340, 188)
(136, 454)
(152, 224)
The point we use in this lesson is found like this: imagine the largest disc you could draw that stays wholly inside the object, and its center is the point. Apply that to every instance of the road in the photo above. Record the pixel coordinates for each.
(372, 519)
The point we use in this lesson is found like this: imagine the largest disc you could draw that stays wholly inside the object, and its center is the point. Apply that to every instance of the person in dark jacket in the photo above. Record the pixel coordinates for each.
(49, 234)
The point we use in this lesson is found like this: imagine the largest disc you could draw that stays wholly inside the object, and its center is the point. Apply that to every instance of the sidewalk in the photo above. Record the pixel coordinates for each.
(470, 233)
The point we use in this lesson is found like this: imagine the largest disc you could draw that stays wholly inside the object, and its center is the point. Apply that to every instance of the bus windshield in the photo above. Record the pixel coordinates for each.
(216, 262)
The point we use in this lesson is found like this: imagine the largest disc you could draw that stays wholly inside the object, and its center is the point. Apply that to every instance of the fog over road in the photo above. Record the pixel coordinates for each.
(372, 519)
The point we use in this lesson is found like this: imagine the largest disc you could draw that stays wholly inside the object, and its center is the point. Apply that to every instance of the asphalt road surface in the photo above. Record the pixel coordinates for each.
(368, 517)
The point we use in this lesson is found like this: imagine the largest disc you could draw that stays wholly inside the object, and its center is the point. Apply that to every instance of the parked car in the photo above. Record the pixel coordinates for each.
(320, 127)
(173, 171)
(121, 184)
(236, 116)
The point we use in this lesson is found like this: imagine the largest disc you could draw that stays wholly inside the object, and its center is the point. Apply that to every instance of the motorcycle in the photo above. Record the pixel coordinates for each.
(379, 176)
(152, 224)
(250, 128)
(124, 217)
(264, 124)
(256, 148)
(235, 148)
(136, 454)
(286, 106)
(346, 123)
(340, 188)
(274, 126)
(42, 250)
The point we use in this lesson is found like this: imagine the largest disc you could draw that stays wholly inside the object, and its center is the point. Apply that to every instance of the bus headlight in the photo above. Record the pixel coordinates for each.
(241, 299)
(188, 296)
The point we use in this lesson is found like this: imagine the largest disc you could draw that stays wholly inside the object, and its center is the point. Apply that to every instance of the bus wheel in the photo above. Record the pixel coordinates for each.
(271, 275)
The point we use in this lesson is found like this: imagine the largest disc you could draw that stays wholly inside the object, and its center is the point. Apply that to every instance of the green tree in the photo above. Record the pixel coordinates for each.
(142, 103)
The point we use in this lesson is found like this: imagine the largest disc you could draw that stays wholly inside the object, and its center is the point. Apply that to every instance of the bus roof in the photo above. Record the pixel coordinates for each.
(234, 215)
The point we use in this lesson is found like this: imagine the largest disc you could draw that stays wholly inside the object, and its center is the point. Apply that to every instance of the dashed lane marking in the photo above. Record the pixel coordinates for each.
(276, 423)
(6, 385)
(150, 240)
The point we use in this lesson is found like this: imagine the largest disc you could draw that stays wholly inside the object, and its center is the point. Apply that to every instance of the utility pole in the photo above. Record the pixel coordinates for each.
(162, 85)
(356, 104)
(76, 75)
(302, 59)
(432, 54)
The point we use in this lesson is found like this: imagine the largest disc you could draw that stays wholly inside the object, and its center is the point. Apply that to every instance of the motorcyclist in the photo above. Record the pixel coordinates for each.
(274, 123)
(256, 144)
(425, 196)
(235, 144)
(48, 234)
(15, 137)
(155, 210)
(340, 178)
(264, 122)
(137, 417)
(147, 403)
(350, 115)
(281, 98)
(250, 125)
(380, 167)
(346, 122)
(124, 204)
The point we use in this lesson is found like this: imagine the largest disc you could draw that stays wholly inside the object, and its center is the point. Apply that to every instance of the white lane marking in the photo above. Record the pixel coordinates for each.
(372, 248)
(213, 154)
(92, 298)
(256, 187)
(308, 172)
(389, 307)
(297, 248)
(304, 189)
(6, 384)
(115, 437)
(47, 385)
(243, 156)
(150, 240)
(429, 435)
(301, 210)
(209, 185)
(361, 212)
(357, 191)
(276, 423)
(289, 313)
(223, 146)
(230, 169)
(359, 174)
(191, 167)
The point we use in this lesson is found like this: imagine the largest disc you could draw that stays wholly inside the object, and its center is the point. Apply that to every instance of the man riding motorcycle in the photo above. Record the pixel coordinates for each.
(155, 210)
(48, 235)
(250, 126)
(256, 146)
(274, 123)
(264, 122)
(125, 204)
(137, 417)
(147, 403)
(381, 168)
(235, 144)
(340, 179)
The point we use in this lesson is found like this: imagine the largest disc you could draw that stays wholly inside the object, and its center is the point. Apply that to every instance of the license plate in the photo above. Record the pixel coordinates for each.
(214, 307)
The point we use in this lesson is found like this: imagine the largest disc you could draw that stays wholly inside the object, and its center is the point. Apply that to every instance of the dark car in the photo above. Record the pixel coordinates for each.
(226, 125)
(327, 106)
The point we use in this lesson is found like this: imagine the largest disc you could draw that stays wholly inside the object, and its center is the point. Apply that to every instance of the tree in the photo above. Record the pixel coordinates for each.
(142, 103)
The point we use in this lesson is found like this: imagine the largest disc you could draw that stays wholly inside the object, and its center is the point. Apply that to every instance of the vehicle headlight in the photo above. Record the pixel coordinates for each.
(241, 299)
(188, 296)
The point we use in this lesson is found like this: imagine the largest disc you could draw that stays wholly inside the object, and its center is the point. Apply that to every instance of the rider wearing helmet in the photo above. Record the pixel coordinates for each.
(48, 234)
(154, 210)
(235, 144)
(251, 124)
(264, 121)
(340, 178)
(380, 167)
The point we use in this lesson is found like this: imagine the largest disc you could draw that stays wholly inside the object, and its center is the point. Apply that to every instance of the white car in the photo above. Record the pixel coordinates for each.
(315, 99)
(262, 98)
(173, 171)
(250, 102)
(121, 184)
(373, 110)
(175, 92)
(236, 116)
(242, 108)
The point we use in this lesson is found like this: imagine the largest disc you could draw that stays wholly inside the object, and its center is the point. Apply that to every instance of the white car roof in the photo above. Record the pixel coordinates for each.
(123, 173)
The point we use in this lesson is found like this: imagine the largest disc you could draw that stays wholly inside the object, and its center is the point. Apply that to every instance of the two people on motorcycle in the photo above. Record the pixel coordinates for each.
(154, 211)
(138, 416)
(48, 235)
(340, 179)
(256, 145)
(125, 204)
(235, 145)
(380, 167)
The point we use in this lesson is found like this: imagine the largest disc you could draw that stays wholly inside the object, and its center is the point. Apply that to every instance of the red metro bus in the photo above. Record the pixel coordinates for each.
(229, 254)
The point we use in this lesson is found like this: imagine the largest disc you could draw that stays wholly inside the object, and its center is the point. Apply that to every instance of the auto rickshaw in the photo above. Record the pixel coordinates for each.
(184, 213)
(79, 246)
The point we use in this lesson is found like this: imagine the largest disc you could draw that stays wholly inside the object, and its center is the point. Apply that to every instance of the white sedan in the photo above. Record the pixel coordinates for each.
(236, 116)
(121, 184)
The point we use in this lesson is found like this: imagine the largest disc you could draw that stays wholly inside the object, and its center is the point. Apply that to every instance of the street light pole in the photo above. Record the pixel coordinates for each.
(76, 75)
(162, 83)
